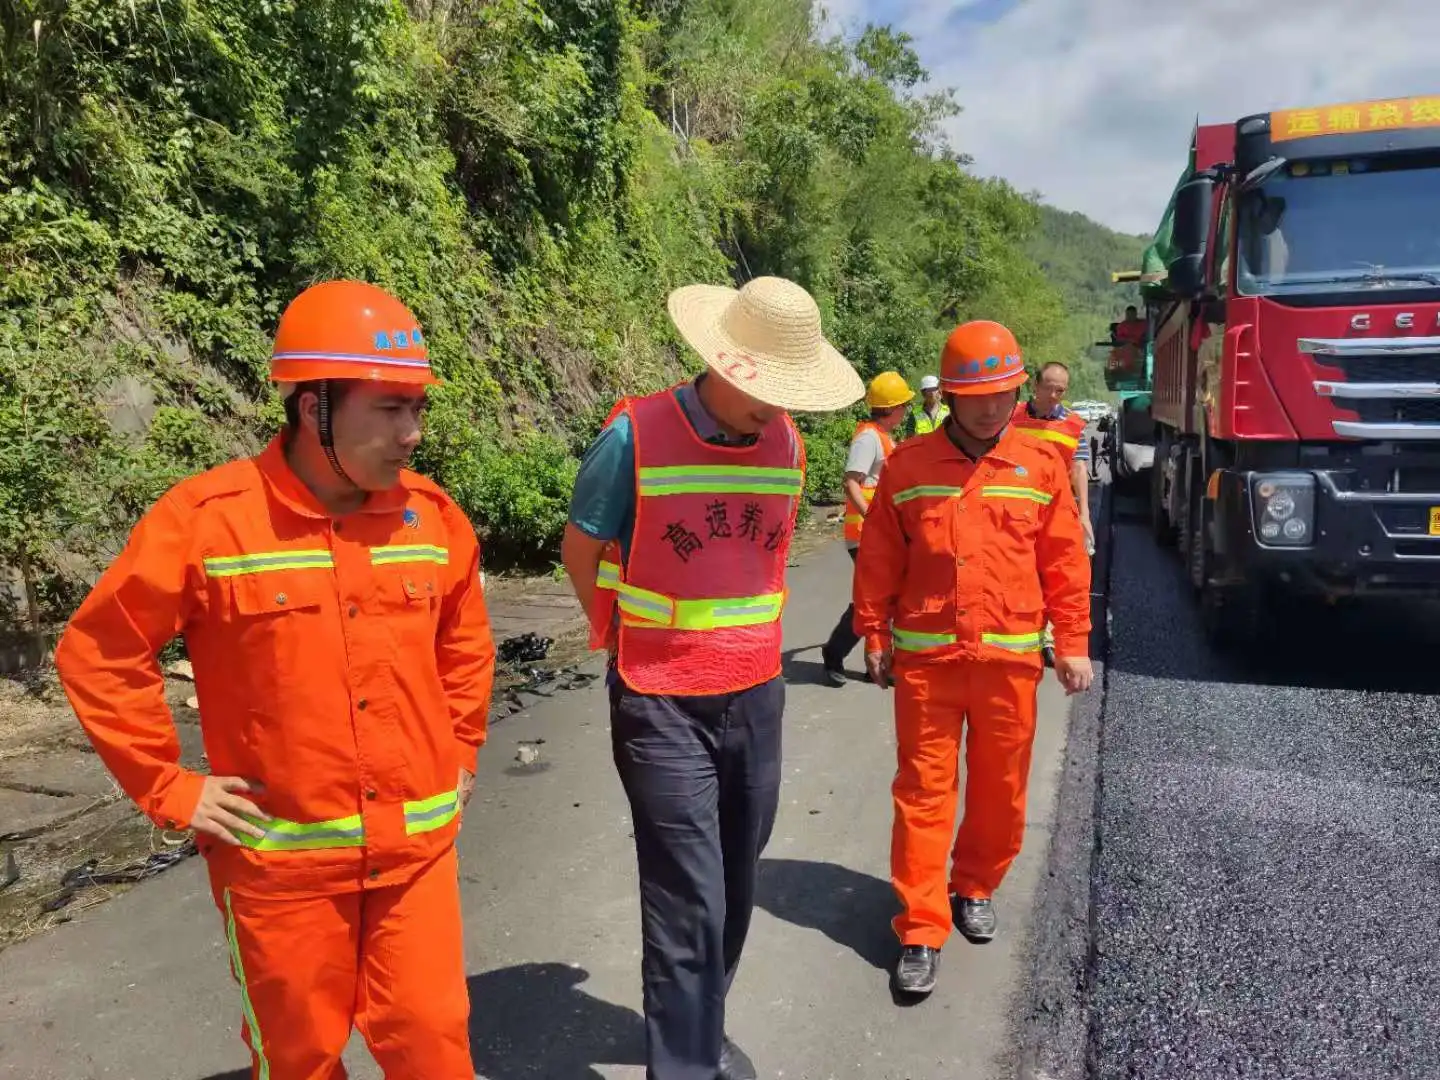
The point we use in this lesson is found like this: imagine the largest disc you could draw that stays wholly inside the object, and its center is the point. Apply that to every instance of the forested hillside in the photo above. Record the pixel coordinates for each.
(531, 176)
(1077, 257)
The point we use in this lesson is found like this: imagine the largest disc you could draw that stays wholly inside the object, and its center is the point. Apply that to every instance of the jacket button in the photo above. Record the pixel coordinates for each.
(964, 611)
(280, 598)
(362, 704)
(374, 874)
(354, 611)
(370, 794)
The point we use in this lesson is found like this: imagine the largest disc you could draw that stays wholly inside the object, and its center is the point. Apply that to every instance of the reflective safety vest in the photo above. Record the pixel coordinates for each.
(855, 514)
(924, 425)
(701, 594)
(1065, 432)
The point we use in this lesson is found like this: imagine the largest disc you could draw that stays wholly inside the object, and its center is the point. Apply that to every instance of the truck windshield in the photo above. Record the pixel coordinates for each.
(1368, 222)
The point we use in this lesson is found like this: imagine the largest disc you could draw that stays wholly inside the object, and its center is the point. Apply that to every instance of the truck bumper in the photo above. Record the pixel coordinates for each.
(1355, 543)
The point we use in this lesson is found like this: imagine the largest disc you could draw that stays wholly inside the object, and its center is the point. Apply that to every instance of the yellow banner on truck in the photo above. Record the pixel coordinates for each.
(1396, 114)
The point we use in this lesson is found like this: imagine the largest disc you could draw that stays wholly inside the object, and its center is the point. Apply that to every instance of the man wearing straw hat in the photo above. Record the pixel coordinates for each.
(680, 527)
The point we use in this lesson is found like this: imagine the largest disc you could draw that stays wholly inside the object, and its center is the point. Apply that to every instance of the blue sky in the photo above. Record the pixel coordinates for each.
(1091, 102)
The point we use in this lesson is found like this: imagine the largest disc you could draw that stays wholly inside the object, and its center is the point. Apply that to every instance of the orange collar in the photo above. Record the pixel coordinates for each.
(1005, 450)
(291, 490)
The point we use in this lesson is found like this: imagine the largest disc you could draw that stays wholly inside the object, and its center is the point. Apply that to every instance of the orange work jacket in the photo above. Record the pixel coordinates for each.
(965, 559)
(855, 515)
(1064, 433)
(346, 664)
(701, 595)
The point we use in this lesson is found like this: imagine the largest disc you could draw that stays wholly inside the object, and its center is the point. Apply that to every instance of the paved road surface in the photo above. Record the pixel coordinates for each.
(1266, 878)
(138, 989)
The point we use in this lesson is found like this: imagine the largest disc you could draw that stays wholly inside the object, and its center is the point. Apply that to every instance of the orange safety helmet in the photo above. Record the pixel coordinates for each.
(981, 357)
(349, 330)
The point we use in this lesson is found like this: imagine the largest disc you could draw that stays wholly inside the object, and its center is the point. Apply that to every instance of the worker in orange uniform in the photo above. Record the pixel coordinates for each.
(1046, 416)
(679, 534)
(332, 606)
(888, 398)
(972, 537)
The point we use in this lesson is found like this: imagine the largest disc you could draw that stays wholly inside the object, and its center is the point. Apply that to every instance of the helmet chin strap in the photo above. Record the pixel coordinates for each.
(325, 423)
(954, 418)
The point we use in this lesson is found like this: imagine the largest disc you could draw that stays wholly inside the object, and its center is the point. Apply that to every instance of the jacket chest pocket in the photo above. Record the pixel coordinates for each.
(407, 597)
(1020, 518)
(274, 618)
(932, 527)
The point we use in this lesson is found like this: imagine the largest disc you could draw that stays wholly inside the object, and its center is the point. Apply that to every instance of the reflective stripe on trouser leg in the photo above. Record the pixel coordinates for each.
(414, 1003)
(296, 961)
(929, 718)
(254, 1038)
(1000, 706)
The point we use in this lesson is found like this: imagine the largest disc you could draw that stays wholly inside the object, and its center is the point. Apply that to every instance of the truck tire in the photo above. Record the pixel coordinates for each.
(1161, 527)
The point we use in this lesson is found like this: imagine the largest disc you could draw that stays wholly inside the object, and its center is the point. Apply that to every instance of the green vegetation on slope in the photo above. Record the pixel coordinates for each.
(531, 176)
(1077, 257)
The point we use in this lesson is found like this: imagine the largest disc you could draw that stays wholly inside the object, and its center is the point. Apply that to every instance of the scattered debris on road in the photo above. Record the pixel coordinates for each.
(89, 874)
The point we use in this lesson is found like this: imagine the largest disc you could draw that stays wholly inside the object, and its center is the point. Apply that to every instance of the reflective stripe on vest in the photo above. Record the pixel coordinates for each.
(1055, 436)
(719, 480)
(1065, 432)
(868, 490)
(421, 816)
(641, 607)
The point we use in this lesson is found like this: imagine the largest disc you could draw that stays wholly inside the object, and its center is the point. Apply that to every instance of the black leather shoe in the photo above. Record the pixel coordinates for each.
(735, 1064)
(915, 973)
(834, 670)
(975, 919)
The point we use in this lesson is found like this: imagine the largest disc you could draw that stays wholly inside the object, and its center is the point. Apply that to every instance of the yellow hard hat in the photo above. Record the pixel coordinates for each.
(887, 390)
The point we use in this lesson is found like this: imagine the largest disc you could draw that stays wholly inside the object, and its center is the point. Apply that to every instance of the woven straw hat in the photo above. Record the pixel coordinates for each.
(765, 339)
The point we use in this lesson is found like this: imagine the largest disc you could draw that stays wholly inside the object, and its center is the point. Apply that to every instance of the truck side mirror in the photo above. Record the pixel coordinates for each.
(1190, 232)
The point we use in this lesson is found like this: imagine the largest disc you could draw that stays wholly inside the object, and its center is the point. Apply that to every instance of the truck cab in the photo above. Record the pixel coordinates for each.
(1296, 390)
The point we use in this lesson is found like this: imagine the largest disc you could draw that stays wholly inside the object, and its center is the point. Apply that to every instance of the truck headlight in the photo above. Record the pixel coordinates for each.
(1283, 505)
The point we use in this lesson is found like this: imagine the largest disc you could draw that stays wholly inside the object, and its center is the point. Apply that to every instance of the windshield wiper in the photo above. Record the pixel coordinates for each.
(1378, 276)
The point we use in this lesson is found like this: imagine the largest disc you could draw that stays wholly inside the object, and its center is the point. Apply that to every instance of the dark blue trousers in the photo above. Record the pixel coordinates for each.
(703, 778)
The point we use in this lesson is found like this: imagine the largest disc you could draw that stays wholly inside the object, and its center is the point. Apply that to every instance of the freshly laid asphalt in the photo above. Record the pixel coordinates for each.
(1267, 866)
(139, 988)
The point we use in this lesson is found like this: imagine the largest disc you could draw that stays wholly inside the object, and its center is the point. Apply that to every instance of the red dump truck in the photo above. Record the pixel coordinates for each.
(1292, 300)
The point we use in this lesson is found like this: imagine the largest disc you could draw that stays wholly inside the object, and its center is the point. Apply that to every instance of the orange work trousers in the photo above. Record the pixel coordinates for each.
(993, 703)
(388, 961)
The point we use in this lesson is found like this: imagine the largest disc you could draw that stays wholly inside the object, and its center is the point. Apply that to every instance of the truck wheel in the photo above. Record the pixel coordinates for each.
(1197, 554)
(1161, 526)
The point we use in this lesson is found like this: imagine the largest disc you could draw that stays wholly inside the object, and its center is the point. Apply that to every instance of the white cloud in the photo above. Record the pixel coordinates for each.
(1091, 102)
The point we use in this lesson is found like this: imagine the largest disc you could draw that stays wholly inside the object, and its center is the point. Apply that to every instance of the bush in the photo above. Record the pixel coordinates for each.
(827, 444)
(519, 496)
